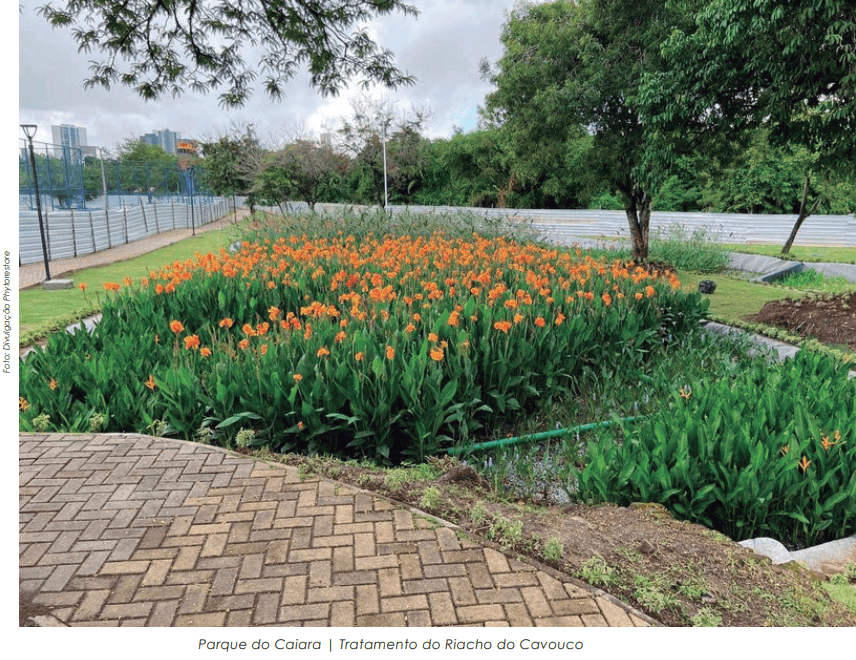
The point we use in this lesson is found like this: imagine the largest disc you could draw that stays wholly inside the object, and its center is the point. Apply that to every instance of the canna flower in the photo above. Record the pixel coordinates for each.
(340, 336)
(607, 299)
(322, 352)
(300, 426)
(560, 318)
(205, 352)
(410, 328)
(111, 286)
(191, 342)
(150, 383)
(176, 326)
(453, 319)
(244, 344)
(82, 286)
(22, 404)
(502, 326)
(52, 383)
(248, 330)
(226, 323)
(650, 291)
(359, 356)
(804, 463)
(432, 337)
(390, 352)
(437, 354)
(263, 348)
(159, 289)
(297, 378)
(126, 281)
(639, 296)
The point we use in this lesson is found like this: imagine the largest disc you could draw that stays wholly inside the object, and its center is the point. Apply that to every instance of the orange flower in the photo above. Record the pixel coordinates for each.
(300, 426)
(437, 354)
(52, 383)
(263, 348)
(248, 330)
(827, 444)
(340, 336)
(273, 313)
(502, 326)
(359, 356)
(111, 286)
(191, 342)
(22, 404)
(540, 322)
(205, 352)
(297, 378)
(126, 281)
(262, 328)
(607, 299)
(244, 344)
(82, 286)
(322, 352)
(560, 318)
(150, 383)
(176, 326)
(650, 291)
(804, 463)
(226, 323)
(453, 319)
(410, 328)
(158, 289)
(390, 352)
(518, 318)
(432, 337)
(639, 296)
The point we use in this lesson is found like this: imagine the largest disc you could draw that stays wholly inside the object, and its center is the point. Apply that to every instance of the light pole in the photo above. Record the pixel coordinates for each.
(30, 132)
(190, 186)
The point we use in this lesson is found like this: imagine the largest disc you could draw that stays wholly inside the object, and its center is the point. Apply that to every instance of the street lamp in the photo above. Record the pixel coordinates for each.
(30, 132)
(190, 186)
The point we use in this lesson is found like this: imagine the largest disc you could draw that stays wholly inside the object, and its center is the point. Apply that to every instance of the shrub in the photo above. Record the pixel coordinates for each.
(770, 453)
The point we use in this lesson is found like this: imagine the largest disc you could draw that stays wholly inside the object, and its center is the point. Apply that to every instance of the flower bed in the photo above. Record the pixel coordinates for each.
(385, 348)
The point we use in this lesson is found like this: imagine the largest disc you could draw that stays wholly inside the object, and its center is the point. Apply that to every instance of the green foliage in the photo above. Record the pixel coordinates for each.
(748, 60)
(769, 453)
(169, 46)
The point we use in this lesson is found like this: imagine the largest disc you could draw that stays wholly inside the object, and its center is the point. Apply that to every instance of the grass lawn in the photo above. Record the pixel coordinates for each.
(734, 297)
(842, 255)
(40, 308)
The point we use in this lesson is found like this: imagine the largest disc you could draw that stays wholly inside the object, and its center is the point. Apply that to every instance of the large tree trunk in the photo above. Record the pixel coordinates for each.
(639, 220)
(802, 216)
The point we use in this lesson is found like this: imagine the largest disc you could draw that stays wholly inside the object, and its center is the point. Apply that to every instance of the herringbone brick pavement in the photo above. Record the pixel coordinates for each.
(131, 530)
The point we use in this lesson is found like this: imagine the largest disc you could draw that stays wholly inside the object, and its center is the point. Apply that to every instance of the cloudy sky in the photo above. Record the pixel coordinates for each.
(442, 48)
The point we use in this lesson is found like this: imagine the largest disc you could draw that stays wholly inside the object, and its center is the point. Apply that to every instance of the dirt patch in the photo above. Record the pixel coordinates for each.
(830, 319)
(679, 573)
(28, 610)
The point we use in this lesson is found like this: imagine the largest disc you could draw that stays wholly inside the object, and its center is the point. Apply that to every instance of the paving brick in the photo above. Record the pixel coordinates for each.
(132, 530)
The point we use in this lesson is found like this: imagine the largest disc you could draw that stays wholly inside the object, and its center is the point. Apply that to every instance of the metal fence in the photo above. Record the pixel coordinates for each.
(71, 233)
(566, 225)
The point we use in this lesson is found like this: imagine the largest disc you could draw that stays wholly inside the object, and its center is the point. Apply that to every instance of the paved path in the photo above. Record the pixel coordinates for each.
(133, 530)
(34, 274)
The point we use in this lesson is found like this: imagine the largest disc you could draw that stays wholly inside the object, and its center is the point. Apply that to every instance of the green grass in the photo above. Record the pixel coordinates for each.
(844, 255)
(815, 281)
(43, 311)
(734, 297)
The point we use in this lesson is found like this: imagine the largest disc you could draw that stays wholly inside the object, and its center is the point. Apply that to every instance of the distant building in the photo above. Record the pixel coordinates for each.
(188, 151)
(165, 139)
(67, 138)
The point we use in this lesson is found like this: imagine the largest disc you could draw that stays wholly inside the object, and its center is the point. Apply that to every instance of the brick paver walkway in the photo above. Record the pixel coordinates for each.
(140, 531)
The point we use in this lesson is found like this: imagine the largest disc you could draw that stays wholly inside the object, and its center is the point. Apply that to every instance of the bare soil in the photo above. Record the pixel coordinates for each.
(679, 573)
(830, 319)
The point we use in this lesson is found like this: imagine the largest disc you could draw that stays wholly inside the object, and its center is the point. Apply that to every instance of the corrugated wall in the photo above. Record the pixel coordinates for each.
(560, 225)
(72, 233)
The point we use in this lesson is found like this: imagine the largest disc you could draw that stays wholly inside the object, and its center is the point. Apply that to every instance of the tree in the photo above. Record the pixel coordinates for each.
(225, 162)
(174, 45)
(789, 67)
(570, 67)
(310, 165)
(375, 125)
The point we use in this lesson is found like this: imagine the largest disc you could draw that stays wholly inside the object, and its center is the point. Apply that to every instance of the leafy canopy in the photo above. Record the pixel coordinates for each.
(173, 45)
(788, 66)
